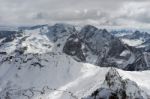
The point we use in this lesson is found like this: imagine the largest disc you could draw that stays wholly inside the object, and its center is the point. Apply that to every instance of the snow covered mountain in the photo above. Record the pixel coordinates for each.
(60, 62)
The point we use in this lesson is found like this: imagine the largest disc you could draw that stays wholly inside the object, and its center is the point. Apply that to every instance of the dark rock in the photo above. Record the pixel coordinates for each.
(3, 53)
(73, 47)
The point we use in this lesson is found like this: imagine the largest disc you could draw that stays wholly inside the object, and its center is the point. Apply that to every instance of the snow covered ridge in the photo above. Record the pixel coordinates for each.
(58, 76)
(53, 62)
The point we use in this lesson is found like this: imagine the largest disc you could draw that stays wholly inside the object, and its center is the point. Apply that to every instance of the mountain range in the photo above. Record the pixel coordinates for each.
(64, 62)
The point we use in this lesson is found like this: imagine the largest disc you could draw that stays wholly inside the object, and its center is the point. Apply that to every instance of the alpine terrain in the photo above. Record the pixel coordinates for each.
(63, 61)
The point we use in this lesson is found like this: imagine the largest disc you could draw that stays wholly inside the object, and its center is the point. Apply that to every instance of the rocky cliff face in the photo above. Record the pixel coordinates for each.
(98, 46)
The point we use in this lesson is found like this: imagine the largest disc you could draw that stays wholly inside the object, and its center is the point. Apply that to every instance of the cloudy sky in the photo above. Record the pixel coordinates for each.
(96, 12)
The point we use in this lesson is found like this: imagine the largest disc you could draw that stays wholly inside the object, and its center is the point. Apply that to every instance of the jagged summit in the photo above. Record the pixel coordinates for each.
(60, 28)
(114, 87)
(87, 31)
(112, 72)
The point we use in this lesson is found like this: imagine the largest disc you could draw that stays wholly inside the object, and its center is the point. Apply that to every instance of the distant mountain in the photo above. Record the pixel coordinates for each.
(90, 44)
(138, 39)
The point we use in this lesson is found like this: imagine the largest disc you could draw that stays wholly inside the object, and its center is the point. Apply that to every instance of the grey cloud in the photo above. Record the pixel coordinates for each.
(71, 15)
(138, 13)
(72, 11)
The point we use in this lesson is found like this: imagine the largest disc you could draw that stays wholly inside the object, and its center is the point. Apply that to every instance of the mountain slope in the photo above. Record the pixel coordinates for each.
(56, 76)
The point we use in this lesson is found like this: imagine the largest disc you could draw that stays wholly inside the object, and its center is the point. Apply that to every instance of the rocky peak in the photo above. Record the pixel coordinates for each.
(88, 28)
(87, 31)
(113, 80)
(114, 87)
(61, 28)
